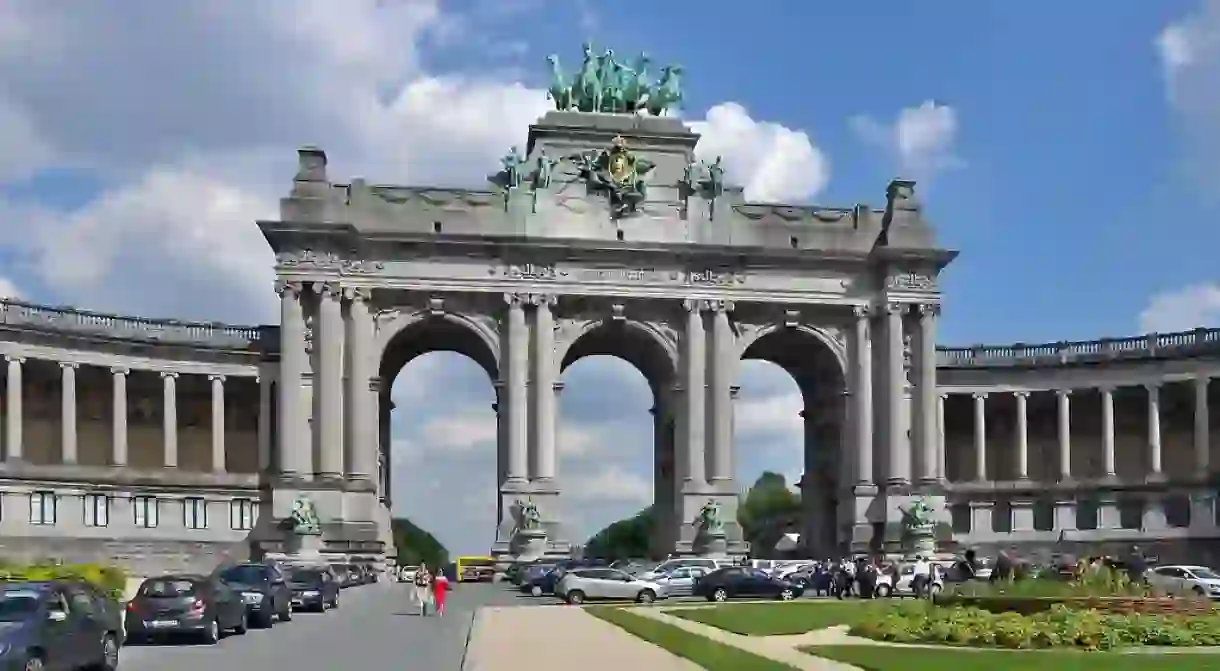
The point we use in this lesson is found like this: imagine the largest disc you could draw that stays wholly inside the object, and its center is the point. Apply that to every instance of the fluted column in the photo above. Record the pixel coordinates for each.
(328, 380)
(543, 460)
(720, 392)
(361, 395)
(1107, 432)
(928, 397)
(169, 418)
(895, 394)
(218, 423)
(1154, 430)
(694, 356)
(1063, 397)
(980, 437)
(14, 431)
(1202, 436)
(941, 459)
(516, 354)
(862, 396)
(293, 447)
(1022, 435)
(118, 416)
(67, 412)
(264, 423)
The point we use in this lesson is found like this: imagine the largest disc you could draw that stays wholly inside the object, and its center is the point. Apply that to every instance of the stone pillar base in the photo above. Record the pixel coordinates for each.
(692, 502)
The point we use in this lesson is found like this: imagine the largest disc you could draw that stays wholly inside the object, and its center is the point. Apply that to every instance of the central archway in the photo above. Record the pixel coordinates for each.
(817, 363)
(647, 349)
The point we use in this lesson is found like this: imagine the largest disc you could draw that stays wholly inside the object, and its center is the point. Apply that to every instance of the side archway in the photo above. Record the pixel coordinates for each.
(817, 363)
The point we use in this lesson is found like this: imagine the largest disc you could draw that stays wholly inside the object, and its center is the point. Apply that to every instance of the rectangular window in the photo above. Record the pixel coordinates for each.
(144, 510)
(42, 507)
(194, 513)
(241, 514)
(97, 510)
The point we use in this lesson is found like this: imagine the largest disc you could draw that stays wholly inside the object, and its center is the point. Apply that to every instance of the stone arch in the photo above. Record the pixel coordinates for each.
(409, 335)
(817, 362)
(640, 344)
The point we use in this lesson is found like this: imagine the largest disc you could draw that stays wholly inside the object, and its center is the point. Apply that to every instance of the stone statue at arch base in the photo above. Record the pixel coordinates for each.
(712, 530)
(300, 534)
(525, 535)
(918, 529)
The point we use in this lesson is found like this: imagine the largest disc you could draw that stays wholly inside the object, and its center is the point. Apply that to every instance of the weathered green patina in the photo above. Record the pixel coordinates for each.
(606, 85)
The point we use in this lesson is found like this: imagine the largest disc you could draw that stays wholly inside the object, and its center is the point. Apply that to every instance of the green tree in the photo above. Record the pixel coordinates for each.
(768, 510)
(416, 546)
(624, 539)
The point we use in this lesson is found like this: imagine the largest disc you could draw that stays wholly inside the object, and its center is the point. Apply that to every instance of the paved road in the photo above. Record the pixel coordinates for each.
(375, 628)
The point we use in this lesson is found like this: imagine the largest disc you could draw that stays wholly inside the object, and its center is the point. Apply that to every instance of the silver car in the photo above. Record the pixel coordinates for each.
(606, 584)
(681, 581)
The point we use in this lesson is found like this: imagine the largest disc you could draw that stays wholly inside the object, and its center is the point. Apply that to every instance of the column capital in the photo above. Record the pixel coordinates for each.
(1063, 393)
(1106, 389)
(69, 364)
(944, 395)
(515, 300)
(558, 386)
(1021, 394)
(929, 309)
(358, 294)
(216, 377)
(289, 288)
(169, 374)
(979, 395)
(1202, 380)
(1153, 388)
(119, 370)
(694, 305)
(861, 311)
(721, 307)
(12, 358)
(541, 300)
(895, 308)
(327, 289)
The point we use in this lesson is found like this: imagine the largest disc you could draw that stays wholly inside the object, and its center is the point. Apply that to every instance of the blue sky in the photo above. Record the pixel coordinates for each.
(1069, 152)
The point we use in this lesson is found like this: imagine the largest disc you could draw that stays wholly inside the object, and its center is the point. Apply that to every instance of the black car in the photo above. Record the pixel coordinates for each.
(313, 588)
(55, 625)
(734, 581)
(185, 604)
(538, 579)
(264, 589)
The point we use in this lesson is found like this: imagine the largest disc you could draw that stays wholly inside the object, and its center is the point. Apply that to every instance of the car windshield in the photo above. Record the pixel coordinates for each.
(305, 575)
(1205, 573)
(17, 606)
(162, 589)
(244, 574)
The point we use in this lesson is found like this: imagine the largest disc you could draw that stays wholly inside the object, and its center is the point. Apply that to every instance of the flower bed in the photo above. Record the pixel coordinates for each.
(109, 579)
(1119, 605)
(1057, 627)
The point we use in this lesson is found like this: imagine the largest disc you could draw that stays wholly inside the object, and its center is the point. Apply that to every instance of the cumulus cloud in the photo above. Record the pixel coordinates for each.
(613, 484)
(8, 289)
(1189, 51)
(920, 141)
(1182, 309)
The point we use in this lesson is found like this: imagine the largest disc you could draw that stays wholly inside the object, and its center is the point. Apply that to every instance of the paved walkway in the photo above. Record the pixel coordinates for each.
(560, 638)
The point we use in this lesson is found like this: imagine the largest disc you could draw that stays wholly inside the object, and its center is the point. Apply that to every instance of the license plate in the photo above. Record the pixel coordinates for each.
(162, 624)
(297, 602)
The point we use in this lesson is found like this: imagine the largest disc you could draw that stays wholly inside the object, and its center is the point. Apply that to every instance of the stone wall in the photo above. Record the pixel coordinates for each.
(138, 557)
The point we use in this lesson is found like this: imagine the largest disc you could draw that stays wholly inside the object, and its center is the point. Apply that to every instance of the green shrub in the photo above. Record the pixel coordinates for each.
(109, 579)
(1059, 627)
(1102, 582)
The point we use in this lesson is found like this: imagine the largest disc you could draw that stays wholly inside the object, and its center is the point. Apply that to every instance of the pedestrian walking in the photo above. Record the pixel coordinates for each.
(423, 589)
(440, 589)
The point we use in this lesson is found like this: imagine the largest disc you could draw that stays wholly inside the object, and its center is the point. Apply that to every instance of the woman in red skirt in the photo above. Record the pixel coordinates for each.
(440, 589)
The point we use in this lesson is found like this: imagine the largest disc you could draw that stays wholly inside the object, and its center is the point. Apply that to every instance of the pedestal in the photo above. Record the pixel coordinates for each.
(528, 544)
(711, 544)
(919, 542)
(301, 549)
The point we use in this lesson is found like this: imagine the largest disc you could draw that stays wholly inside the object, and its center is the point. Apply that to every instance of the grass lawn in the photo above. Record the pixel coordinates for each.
(773, 619)
(705, 652)
(881, 658)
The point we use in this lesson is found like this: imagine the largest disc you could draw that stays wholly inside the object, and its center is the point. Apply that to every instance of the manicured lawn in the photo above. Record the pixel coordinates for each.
(705, 652)
(772, 619)
(882, 658)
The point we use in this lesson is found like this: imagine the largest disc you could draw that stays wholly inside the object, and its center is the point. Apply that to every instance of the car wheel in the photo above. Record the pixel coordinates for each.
(535, 591)
(265, 621)
(720, 595)
(576, 597)
(286, 616)
(646, 596)
(933, 591)
(243, 624)
(334, 603)
(883, 591)
(34, 664)
(110, 654)
(787, 594)
(212, 634)
(1199, 591)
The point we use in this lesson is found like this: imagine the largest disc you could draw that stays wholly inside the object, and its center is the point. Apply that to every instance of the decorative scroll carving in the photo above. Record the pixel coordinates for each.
(617, 312)
(792, 318)
(436, 307)
(720, 306)
(358, 294)
(895, 308)
(322, 261)
(327, 289)
(929, 310)
(283, 287)
(861, 311)
(693, 305)
(911, 282)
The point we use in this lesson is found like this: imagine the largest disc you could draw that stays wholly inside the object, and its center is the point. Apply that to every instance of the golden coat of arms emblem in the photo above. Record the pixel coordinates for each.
(621, 165)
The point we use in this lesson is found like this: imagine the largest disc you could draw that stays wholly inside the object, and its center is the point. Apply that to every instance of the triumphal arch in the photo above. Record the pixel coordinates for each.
(607, 236)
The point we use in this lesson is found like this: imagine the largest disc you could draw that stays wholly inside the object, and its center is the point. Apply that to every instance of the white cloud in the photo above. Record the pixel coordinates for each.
(920, 140)
(1182, 309)
(611, 484)
(8, 289)
(769, 416)
(1189, 51)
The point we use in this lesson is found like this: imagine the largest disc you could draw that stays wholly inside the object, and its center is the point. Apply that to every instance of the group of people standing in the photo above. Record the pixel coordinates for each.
(430, 590)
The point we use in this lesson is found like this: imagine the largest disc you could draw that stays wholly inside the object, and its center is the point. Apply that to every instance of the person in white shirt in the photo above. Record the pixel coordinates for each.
(922, 576)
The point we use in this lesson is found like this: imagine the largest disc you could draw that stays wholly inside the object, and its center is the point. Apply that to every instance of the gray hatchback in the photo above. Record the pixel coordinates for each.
(55, 626)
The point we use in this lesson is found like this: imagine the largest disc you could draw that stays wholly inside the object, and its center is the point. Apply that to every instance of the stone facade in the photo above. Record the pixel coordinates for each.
(220, 429)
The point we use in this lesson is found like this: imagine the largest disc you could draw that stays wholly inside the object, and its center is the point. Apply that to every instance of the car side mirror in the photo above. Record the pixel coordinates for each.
(57, 616)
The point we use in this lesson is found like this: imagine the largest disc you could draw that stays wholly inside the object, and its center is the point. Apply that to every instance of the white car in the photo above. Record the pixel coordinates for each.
(603, 584)
(407, 573)
(681, 581)
(1185, 579)
(906, 573)
(668, 566)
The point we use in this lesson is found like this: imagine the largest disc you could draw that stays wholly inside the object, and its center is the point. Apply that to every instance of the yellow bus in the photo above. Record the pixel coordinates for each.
(475, 569)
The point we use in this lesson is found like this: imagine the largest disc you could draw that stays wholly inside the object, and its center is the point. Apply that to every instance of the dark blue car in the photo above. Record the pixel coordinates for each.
(538, 580)
(54, 626)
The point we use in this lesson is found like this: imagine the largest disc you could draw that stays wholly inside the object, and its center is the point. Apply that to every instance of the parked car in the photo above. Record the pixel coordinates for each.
(407, 573)
(906, 574)
(665, 567)
(313, 588)
(55, 625)
(346, 574)
(602, 584)
(1186, 580)
(744, 581)
(540, 580)
(681, 581)
(264, 589)
(185, 604)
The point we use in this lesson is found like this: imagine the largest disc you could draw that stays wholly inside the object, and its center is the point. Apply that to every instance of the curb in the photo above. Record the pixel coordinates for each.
(474, 622)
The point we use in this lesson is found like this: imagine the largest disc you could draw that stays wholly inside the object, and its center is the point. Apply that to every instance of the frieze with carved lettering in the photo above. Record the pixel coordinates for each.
(911, 282)
(706, 277)
(308, 259)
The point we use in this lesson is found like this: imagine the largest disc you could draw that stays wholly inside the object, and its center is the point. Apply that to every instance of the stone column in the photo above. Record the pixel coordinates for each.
(328, 380)
(862, 397)
(516, 354)
(1154, 430)
(543, 460)
(218, 423)
(13, 425)
(67, 411)
(361, 395)
(895, 395)
(694, 357)
(118, 416)
(264, 423)
(294, 446)
(169, 417)
(1107, 432)
(720, 392)
(1022, 435)
(928, 396)
(1063, 396)
(1202, 428)
(941, 459)
(980, 437)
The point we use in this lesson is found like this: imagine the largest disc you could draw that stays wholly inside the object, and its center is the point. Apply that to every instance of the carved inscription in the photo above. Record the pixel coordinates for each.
(911, 282)
(532, 271)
